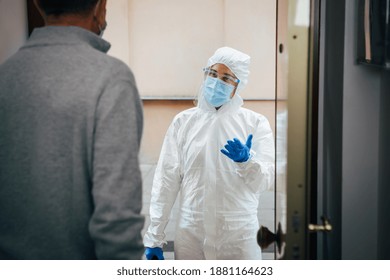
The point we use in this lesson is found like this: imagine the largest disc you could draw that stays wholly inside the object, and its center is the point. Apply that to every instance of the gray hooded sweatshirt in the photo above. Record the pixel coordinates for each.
(70, 129)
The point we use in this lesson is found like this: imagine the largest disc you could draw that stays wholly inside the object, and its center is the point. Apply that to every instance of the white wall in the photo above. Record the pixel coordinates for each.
(13, 26)
(360, 154)
(167, 43)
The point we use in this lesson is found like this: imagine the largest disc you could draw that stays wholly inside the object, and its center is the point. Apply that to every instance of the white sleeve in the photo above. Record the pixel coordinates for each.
(166, 185)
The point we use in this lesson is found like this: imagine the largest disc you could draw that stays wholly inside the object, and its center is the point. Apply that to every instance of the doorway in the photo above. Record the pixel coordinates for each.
(169, 43)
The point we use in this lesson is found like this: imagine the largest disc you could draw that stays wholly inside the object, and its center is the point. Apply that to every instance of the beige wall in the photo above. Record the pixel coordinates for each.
(167, 43)
(13, 27)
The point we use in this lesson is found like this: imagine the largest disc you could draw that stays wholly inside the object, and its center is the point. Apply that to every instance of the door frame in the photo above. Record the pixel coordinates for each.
(303, 43)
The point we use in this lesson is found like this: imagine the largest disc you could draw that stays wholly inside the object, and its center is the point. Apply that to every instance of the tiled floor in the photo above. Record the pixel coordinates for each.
(266, 211)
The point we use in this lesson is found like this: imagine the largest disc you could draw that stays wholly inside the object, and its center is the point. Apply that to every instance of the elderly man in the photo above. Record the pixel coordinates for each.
(219, 182)
(70, 129)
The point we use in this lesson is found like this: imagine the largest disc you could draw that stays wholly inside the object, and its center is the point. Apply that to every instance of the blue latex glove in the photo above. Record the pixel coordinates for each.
(154, 253)
(237, 151)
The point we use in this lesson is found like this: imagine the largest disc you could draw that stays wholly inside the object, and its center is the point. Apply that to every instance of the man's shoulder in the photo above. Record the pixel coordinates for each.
(111, 68)
(117, 66)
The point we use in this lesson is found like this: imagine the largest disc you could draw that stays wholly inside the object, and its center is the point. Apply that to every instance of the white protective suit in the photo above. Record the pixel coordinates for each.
(218, 197)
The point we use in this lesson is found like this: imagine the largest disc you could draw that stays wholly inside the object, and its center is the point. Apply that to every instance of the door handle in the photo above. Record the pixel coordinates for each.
(265, 238)
(325, 227)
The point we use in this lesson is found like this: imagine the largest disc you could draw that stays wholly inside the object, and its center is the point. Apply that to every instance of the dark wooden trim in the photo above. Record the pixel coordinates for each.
(33, 17)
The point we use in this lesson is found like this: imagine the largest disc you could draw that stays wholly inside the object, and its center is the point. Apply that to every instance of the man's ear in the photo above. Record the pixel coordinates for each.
(104, 3)
(100, 7)
(100, 13)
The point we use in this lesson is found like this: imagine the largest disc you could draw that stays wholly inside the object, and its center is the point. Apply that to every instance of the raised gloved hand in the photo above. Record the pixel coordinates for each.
(154, 253)
(237, 151)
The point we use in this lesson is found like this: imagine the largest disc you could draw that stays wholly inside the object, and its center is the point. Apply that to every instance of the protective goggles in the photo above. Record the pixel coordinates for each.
(226, 78)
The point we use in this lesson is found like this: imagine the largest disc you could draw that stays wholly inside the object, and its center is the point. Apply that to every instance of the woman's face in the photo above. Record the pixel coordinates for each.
(223, 73)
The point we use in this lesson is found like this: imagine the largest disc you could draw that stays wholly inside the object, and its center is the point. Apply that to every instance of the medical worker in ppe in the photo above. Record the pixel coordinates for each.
(219, 157)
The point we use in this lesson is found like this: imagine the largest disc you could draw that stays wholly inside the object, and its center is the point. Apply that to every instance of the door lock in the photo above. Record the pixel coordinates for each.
(325, 227)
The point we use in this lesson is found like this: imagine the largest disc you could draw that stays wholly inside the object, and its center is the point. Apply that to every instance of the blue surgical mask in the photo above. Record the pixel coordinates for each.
(217, 92)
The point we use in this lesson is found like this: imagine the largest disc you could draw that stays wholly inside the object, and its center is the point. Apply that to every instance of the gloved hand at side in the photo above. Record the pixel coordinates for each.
(237, 151)
(154, 253)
